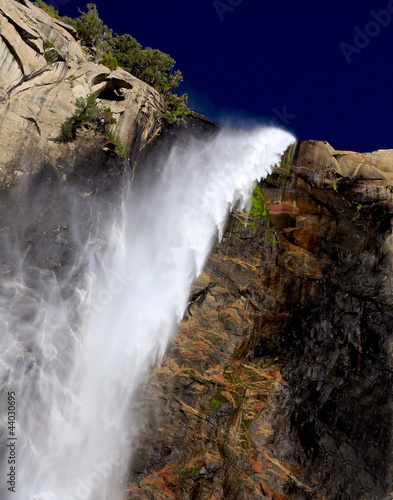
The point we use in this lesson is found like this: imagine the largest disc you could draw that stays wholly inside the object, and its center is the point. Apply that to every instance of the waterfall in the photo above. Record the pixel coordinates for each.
(91, 291)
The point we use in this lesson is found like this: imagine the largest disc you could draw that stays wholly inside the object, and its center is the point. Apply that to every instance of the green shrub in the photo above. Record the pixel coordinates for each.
(127, 52)
(149, 65)
(109, 61)
(49, 9)
(48, 44)
(169, 118)
(68, 130)
(94, 34)
(119, 144)
(90, 111)
(176, 107)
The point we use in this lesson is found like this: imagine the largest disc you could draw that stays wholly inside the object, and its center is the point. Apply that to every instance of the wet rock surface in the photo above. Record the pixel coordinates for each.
(47, 218)
(279, 381)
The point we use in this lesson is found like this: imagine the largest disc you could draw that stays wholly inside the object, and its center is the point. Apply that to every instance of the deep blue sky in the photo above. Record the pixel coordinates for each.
(276, 60)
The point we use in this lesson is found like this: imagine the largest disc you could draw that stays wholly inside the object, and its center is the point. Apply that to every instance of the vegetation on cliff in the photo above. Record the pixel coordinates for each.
(92, 113)
(149, 65)
(281, 361)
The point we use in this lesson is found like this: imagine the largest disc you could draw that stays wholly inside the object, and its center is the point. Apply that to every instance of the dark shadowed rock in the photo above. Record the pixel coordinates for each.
(281, 370)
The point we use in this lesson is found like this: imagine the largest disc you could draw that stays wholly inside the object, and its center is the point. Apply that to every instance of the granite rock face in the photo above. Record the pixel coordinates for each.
(279, 381)
(43, 70)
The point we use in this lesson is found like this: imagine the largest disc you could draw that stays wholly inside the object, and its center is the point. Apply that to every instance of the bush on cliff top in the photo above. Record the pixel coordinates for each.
(49, 9)
(149, 65)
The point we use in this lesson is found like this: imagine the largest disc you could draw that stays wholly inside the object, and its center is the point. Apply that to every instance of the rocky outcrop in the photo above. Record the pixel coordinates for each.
(279, 382)
(43, 70)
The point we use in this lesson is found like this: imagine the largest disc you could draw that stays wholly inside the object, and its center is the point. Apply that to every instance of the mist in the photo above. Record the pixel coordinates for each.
(96, 275)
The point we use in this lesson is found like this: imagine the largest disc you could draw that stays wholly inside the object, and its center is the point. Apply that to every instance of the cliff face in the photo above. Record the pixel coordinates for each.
(279, 382)
(43, 70)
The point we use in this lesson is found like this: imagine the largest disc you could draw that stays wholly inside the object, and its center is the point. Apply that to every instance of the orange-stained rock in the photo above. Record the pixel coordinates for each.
(280, 374)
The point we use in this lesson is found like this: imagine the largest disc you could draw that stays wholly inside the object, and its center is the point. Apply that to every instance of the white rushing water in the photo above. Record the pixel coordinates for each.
(76, 344)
